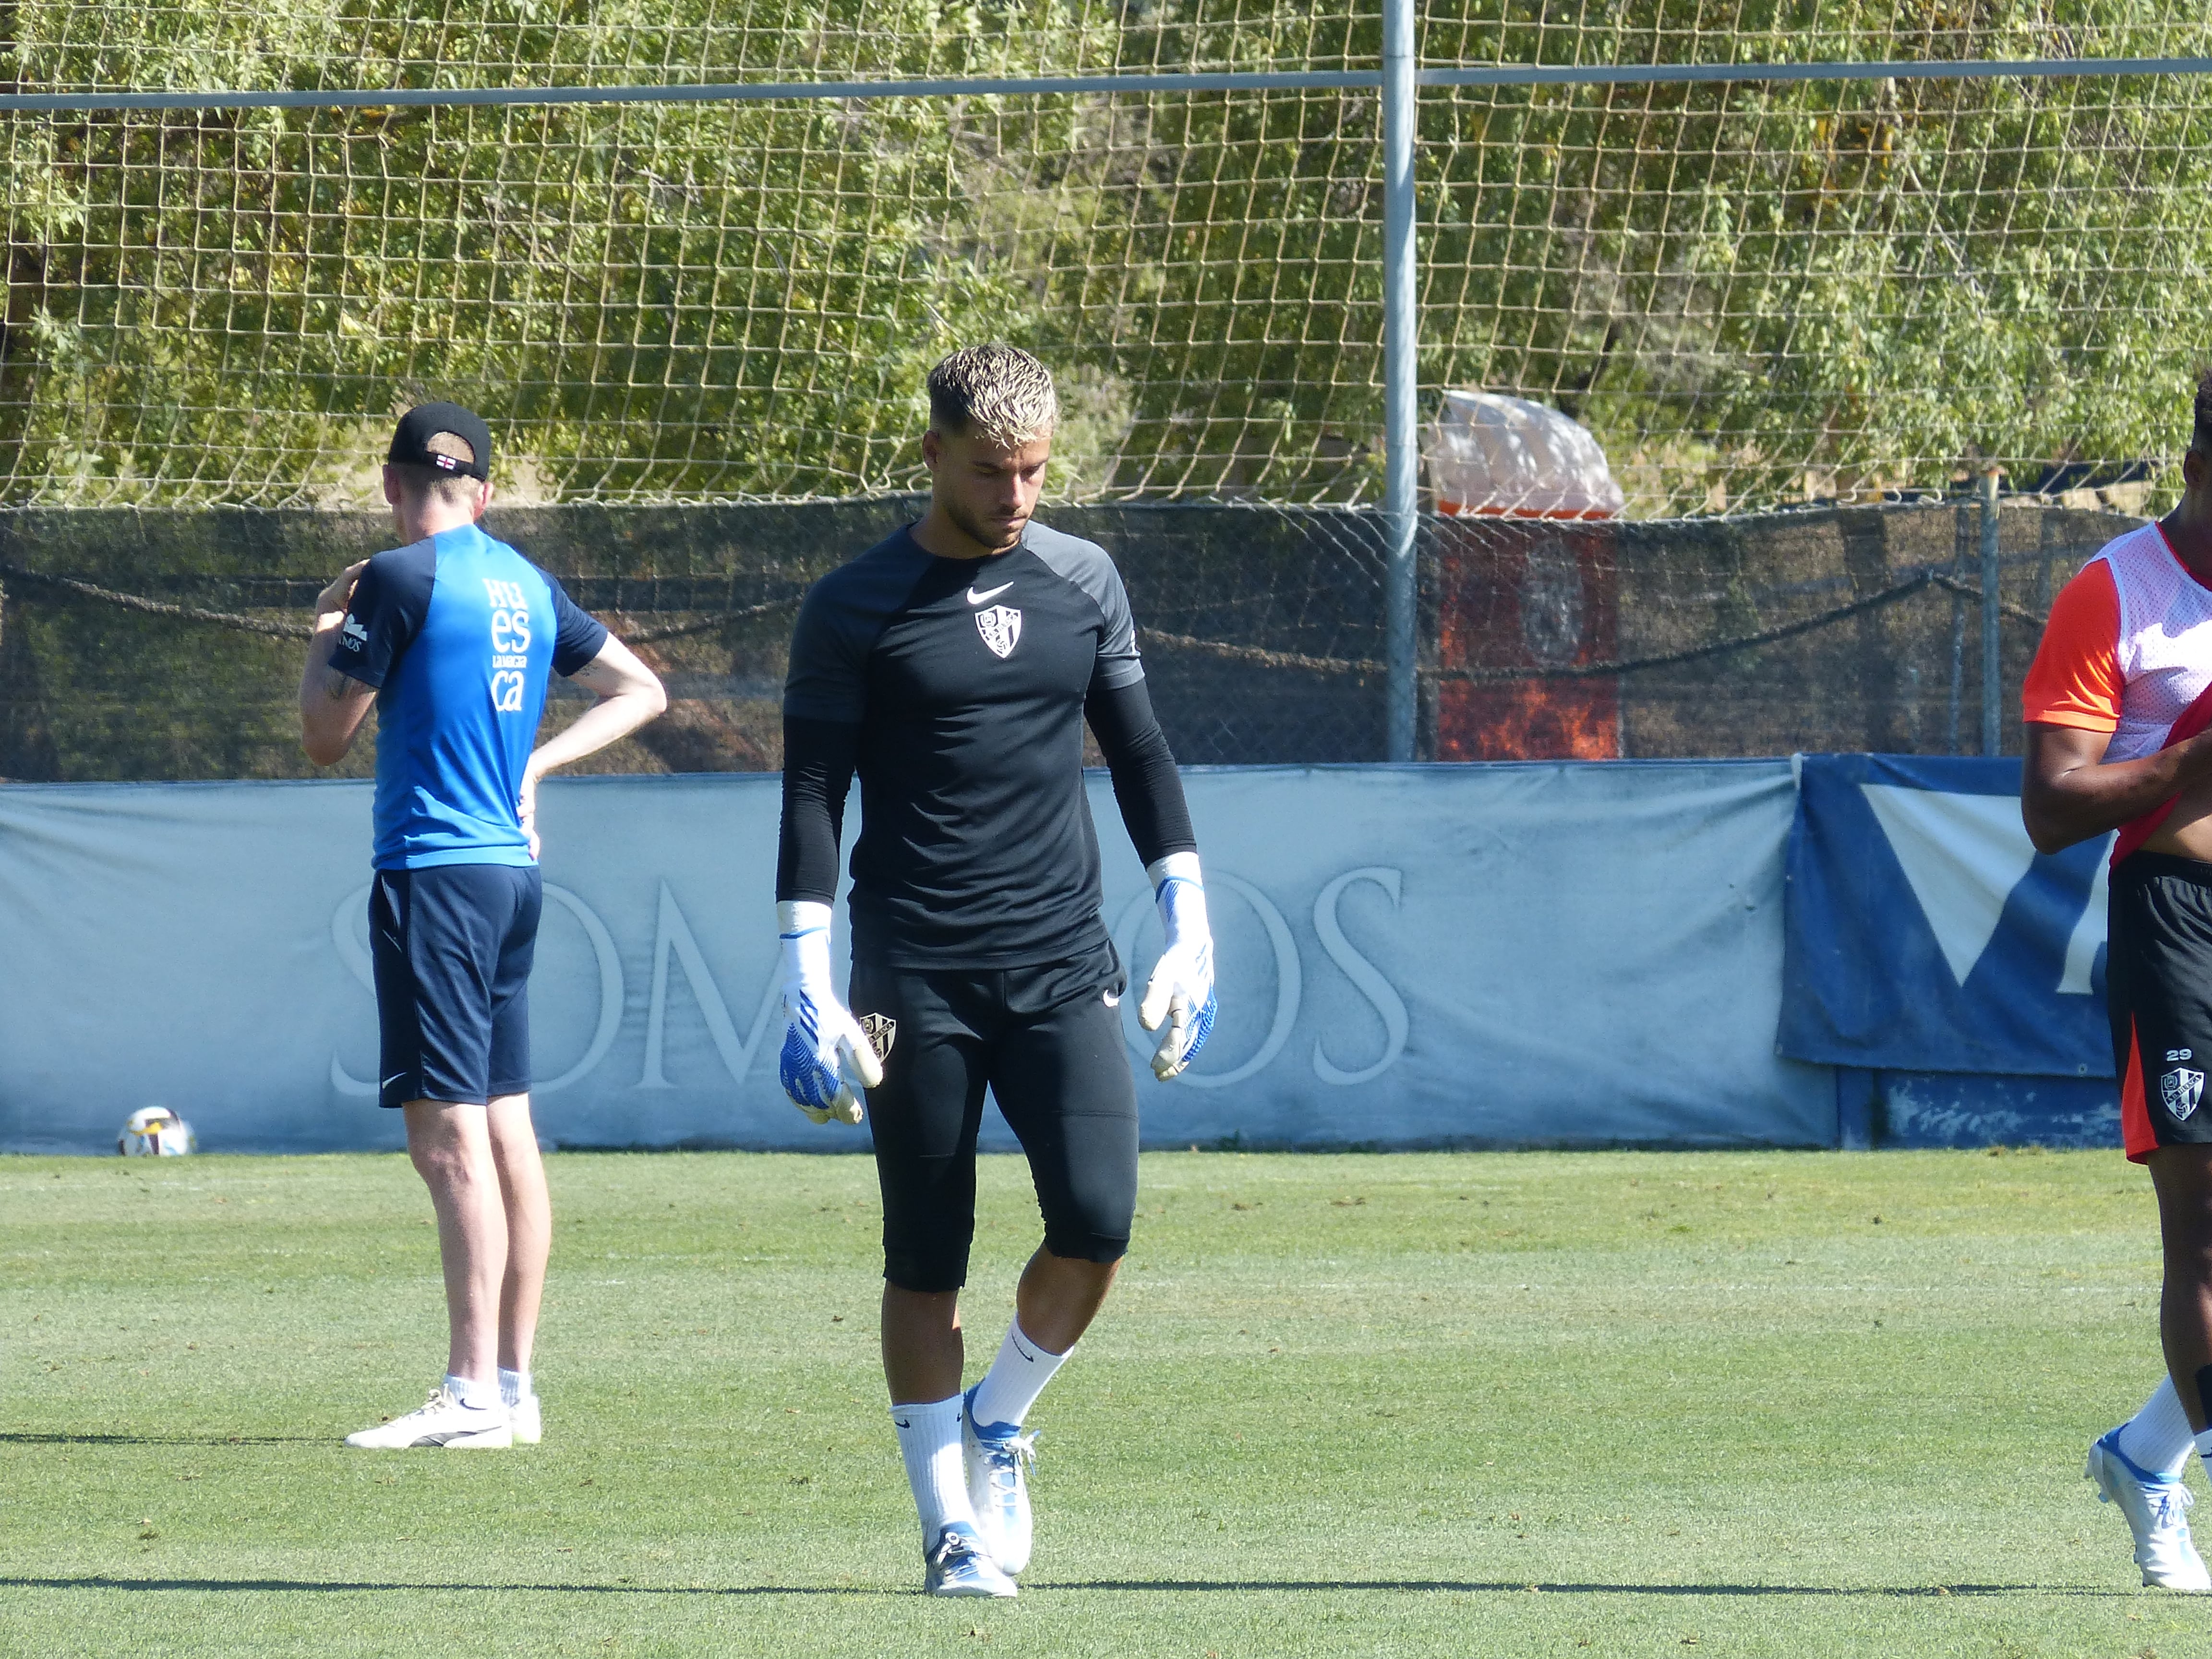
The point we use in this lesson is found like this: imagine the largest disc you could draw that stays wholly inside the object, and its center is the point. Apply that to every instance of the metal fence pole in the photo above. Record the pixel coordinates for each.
(1992, 641)
(2046, 523)
(1957, 622)
(1400, 392)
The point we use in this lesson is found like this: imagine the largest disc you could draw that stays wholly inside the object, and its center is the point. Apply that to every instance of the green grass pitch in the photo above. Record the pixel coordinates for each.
(1451, 1404)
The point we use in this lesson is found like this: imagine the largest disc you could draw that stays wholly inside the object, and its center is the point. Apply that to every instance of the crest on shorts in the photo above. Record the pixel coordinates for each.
(1001, 628)
(2181, 1089)
(883, 1031)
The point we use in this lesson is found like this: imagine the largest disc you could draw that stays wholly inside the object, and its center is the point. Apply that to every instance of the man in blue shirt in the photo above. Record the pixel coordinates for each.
(453, 638)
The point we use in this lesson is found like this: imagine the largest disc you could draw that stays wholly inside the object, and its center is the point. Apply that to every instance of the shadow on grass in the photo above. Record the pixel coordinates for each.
(1186, 1586)
(357, 1586)
(164, 1440)
(1469, 1587)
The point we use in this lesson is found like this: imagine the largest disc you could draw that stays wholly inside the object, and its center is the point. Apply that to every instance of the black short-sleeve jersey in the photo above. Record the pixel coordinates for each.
(966, 679)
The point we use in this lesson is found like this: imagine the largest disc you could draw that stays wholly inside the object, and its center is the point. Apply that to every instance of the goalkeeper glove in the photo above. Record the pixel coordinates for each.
(1181, 991)
(823, 1047)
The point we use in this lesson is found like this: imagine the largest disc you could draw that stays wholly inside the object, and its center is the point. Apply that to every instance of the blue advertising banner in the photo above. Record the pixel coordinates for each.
(1409, 956)
(1923, 933)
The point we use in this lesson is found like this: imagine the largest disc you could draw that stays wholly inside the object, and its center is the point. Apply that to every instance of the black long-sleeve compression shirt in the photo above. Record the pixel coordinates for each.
(957, 689)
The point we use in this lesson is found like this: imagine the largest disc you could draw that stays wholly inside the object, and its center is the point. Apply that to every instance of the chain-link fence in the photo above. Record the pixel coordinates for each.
(707, 250)
(1823, 255)
(1850, 629)
(143, 645)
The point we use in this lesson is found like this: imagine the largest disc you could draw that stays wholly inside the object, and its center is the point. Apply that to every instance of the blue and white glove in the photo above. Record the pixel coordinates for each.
(823, 1047)
(1180, 993)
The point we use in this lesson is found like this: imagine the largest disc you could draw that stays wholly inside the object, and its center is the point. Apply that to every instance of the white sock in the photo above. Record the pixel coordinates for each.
(2203, 1448)
(1016, 1379)
(476, 1395)
(514, 1385)
(2157, 1437)
(929, 1441)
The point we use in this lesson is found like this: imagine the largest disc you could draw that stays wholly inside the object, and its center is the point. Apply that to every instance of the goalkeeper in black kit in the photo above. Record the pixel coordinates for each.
(952, 666)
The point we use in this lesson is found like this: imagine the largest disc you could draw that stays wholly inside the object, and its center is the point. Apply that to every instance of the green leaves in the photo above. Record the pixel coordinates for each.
(1738, 288)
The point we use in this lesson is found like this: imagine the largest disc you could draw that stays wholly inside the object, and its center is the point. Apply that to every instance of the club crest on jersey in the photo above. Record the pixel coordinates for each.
(2181, 1089)
(1001, 628)
(882, 1032)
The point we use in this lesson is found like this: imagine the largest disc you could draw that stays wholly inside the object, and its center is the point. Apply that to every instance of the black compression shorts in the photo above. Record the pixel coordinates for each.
(2158, 986)
(1046, 1042)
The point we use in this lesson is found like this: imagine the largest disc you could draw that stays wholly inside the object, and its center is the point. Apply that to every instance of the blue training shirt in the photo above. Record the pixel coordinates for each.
(459, 635)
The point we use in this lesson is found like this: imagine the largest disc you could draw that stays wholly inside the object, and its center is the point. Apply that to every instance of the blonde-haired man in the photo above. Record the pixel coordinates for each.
(453, 637)
(952, 666)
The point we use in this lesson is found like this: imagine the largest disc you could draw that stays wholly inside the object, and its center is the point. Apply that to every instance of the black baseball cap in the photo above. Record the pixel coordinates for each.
(411, 444)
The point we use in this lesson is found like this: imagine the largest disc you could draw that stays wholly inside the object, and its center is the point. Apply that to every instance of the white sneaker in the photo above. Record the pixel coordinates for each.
(523, 1418)
(2157, 1509)
(443, 1421)
(998, 1457)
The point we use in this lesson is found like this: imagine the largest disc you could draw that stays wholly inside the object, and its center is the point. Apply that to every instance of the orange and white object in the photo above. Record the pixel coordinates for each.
(1525, 576)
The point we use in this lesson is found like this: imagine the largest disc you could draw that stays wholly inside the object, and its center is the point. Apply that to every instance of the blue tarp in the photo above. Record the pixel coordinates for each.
(1495, 955)
(1923, 933)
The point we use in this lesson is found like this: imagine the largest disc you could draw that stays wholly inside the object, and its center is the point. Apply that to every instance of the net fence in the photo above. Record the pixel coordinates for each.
(165, 645)
(681, 302)
(1799, 318)
(1756, 295)
(143, 645)
(379, 44)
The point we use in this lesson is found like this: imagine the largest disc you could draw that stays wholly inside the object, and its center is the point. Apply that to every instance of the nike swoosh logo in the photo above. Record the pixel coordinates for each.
(393, 1078)
(974, 598)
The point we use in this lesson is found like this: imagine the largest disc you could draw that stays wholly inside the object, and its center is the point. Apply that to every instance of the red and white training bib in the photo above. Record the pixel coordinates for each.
(2128, 650)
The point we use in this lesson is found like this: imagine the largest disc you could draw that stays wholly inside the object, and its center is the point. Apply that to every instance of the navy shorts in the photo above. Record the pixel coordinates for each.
(1046, 1042)
(451, 947)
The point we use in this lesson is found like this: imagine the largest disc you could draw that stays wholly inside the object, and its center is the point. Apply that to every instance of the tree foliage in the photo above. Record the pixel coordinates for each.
(1752, 293)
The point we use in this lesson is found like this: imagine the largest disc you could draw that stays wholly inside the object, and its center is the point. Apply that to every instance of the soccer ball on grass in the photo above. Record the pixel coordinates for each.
(156, 1132)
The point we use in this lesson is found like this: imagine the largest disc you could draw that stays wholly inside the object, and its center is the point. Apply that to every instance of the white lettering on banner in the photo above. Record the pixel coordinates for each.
(674, 940)
(673, 933)
(2088, 935)
(1362, 973)
(1962, 856)
(611, 988)
(1288, 981)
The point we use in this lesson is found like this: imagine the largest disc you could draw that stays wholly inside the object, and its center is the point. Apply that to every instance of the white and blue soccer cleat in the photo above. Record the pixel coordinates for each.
(825, 1049)
(998, 1457)
(960, 1566)
(2157, 1510)
(1180, 993)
